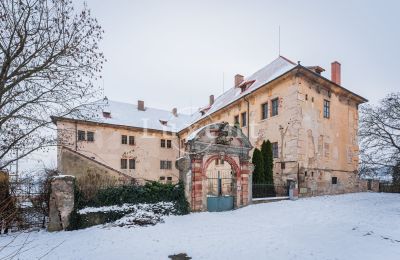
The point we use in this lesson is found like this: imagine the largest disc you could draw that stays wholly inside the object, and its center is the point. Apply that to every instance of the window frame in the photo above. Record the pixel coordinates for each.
(90, 136)
(162, 143)
(124, 139)
(81, 135)
(131, 140)
(334, 180)
(275, 150)
(264, 113)
(236, 120)
(327, 109)
(274, 107)
(132, 164)
(243, 117)
(124, 163)
(169, 144)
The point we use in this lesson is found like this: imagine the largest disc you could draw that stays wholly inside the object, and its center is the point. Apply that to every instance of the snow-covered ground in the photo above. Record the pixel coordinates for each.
(353, 226)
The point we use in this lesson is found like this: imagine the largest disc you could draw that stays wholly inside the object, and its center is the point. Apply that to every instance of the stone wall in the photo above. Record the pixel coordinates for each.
(61, 202)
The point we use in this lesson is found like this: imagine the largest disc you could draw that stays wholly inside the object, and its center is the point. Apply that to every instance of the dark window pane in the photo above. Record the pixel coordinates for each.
(244, 119)
(132, 164)
(162, 178)
(327, 108)
(275, 150)
(264, 110)
(90, 136)
(123, 163)
(275, 105)
(162, 143)
(236, 120)
(81, 135)
(131, 140)
(124, 139)
(334, 180)
(169, 144)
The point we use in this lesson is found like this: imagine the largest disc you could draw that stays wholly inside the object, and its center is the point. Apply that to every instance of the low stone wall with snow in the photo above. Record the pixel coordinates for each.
(129, 215)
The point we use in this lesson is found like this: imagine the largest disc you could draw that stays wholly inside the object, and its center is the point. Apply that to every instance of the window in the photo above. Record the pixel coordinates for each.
(165, 165)
(283, 165)
(163, 143)
(169, 144)
(162, 178)
(306, 96)
(216, 161)
(90, 136)
(275, 105)
(169, 179)
(264, 108)
(327, 109)
(124, 139)
(334, 180)
(132, 164)
(236, 120)
(123, 163)
(131, 140)
(81, 135)
(275, 149)
(244, 119)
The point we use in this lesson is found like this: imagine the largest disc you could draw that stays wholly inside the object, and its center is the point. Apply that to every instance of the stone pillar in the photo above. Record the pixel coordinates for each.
(61, 202)
(197, 185)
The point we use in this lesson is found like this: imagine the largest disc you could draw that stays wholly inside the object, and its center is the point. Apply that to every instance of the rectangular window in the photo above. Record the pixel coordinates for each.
(236, 120)
(131, 140)
(327, 109)
(264, 108)
(124, 139)
(275, 150)
(162, 178)
(275, 105)
(124, 163)
(244, 119)
(165, 165)
(90, 136)
(169, 144)
(163, 143)
(132, 164)
(81, 135)
(334, 180)
(169, 179)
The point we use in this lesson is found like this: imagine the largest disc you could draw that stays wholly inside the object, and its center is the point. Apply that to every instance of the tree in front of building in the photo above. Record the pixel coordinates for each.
(49, 62)
(396, 174)
(258, 162)
(266, 151)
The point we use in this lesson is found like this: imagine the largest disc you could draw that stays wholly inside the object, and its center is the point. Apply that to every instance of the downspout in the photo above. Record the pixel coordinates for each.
(179, 145)
(248, 117)
(76, 136)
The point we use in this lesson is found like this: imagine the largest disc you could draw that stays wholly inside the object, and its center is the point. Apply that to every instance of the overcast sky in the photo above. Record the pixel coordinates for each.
(175, 53)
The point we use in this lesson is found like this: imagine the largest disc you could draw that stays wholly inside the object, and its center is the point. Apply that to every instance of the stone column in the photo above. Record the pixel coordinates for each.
(197, 185)
(61, 202)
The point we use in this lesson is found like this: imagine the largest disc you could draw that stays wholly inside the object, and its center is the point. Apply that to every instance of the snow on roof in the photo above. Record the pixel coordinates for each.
(127, 114)
(268, 73)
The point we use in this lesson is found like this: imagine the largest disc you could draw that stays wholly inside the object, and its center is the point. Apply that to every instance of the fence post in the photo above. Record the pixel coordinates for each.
(61, 202)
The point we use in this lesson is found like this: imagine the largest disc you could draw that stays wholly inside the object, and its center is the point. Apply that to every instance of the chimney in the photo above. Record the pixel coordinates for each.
(211, 100)
(238, 79)
(335, 72)
(175, 112)
(140, 105)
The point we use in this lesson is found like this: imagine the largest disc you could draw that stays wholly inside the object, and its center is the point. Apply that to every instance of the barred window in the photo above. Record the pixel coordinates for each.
(132, 164)
(275, 106)
(90, 136)
(81, 135)
(124, 163)
(124, 139)
(264, 108)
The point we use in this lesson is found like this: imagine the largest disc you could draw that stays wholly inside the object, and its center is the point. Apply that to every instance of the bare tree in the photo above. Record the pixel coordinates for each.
(49, 62)
(380, 134)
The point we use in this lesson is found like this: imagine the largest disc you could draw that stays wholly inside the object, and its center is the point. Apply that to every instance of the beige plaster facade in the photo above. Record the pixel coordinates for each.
(320, 152)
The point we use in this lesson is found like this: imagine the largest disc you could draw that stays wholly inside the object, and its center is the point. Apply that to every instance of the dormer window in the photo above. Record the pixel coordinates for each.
(106, 114)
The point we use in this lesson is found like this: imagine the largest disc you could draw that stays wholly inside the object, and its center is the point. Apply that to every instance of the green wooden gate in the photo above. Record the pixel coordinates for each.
(221, 187)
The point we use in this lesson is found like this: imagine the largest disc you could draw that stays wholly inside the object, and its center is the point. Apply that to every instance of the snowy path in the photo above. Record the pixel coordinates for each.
(353, 226)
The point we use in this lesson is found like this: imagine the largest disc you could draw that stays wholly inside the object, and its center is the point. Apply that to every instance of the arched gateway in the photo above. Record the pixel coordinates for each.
(217, 175)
